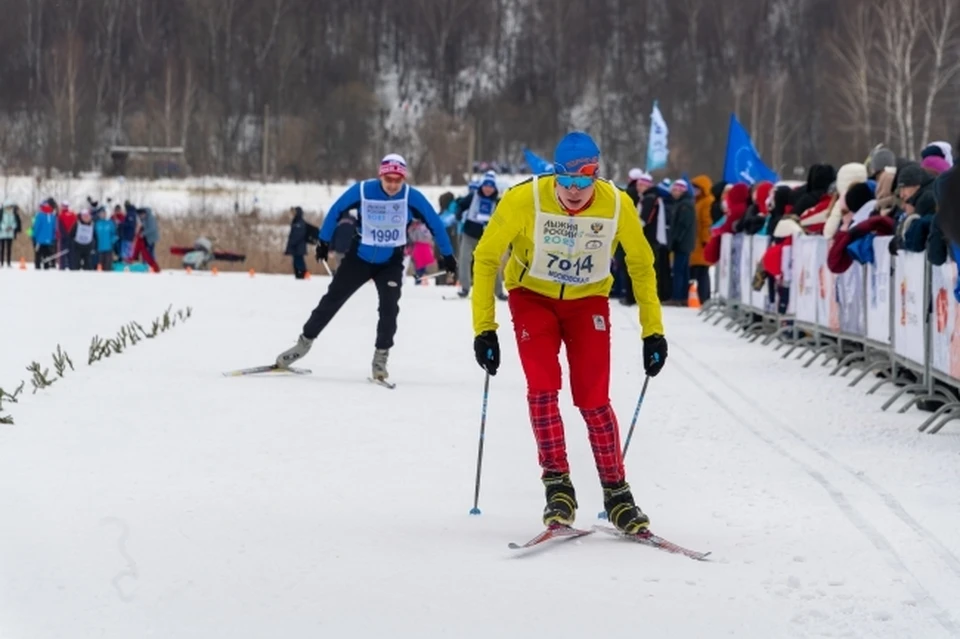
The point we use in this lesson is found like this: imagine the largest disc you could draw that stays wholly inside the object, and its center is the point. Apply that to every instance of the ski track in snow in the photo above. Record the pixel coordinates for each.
(307, 506)
(925, 596)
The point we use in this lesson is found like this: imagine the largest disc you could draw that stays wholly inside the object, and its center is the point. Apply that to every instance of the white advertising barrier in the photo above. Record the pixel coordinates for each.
(828, 303)
(736, 249)
(908, 301)
(852, 300)
(758, 299)
(723, 269)
(878, 292)
(805, 270)
(746, 270)
(789, 270)
(946, 323)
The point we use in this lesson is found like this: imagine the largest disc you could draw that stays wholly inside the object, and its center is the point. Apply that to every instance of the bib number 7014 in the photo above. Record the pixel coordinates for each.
(583, 263)
(385, 235)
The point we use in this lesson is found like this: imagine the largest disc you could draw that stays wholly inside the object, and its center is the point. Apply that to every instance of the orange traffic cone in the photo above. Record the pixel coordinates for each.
(214, 271)
(188, 270)
(100, 268)
(251, 272)
(306, 275)
(23, 264)
(693, 296)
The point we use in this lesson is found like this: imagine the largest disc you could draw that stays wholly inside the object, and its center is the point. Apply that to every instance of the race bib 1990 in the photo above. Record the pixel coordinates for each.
(384, 223)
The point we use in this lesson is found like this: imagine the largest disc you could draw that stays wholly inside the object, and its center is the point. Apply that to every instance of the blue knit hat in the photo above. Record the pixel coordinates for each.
(489, 179)
(575, 151)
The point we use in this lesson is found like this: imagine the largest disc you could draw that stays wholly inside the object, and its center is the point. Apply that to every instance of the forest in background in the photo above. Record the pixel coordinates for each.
(320, 89)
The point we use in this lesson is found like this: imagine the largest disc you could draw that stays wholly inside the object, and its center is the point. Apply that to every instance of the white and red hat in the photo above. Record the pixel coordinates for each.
(393, 164)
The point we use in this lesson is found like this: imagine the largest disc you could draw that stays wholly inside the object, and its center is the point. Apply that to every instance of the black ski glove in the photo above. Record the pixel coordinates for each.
(486, 347)
(449, 264)
(654, 354)
(323, 249)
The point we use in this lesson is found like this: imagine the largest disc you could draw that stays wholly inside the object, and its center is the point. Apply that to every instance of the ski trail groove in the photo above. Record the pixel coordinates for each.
(857, 519)
(945, 555)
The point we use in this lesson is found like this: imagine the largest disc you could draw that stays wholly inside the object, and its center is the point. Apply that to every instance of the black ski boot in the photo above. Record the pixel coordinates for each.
(621, 509)
(561, 506)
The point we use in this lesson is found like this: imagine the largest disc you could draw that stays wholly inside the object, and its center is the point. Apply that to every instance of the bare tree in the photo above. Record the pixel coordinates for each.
(852, 47)
(939, 22)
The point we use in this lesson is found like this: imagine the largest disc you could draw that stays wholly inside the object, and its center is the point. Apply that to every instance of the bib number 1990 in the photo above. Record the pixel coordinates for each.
(383, 236)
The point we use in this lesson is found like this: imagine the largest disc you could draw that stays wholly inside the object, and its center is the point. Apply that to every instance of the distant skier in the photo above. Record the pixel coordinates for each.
(474, 211)
(564, 228)
(386, 207)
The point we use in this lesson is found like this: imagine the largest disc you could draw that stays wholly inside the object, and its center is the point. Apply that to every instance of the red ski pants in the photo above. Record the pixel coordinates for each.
(541, 324)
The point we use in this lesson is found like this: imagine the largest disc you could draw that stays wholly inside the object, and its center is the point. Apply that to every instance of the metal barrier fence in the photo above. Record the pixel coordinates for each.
(896, 317)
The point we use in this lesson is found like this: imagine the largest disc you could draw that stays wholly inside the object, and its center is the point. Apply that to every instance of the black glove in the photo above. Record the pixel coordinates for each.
(449, 264)
(486, 347)
(654, 354)
(323, 249)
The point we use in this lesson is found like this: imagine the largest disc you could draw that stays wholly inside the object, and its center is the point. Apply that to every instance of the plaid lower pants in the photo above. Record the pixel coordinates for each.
(602, 429)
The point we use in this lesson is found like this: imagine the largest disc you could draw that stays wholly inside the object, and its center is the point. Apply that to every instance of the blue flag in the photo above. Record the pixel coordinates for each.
(537, 164)
(743, 163)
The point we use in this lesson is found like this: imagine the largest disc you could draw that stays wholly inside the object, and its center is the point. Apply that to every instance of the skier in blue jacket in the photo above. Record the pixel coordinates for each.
(386, 207)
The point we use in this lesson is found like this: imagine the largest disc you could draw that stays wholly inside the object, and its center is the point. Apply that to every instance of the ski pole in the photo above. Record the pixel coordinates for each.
(633, 424)
(483, 424)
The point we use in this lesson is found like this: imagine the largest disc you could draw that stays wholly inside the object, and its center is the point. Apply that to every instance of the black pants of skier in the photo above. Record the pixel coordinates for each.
(351, 275)
(6, 251)
(41, 253)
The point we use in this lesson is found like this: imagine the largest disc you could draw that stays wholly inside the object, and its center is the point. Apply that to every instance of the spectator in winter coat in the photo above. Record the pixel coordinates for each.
(147, 236)
(44, 232)
(755, 220)
(10, 227)
(297, 244)
(66, 222)
(655, 206)
(847, 176)
(703, 202)
(105, 230)
(638, 183)
(682, 238)
(735, 203)
(83, 243)
(718, 190)
(815, 200)
(915, 187)
(860, 223)
(128, 231)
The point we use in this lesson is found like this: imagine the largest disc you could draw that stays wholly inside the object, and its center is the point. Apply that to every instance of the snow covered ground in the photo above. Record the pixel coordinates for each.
(148, 496)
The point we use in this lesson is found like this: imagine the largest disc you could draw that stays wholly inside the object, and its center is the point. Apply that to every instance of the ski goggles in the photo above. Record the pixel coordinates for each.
(583, 179)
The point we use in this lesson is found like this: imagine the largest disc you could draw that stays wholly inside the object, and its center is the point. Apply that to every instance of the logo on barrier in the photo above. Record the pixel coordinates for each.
(942, 309)
(903, 302)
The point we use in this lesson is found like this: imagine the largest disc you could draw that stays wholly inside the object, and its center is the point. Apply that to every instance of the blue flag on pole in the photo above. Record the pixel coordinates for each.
(537, 164)
(743, 163)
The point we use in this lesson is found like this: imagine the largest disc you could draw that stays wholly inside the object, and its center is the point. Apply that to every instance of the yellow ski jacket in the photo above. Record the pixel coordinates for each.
(512, 226)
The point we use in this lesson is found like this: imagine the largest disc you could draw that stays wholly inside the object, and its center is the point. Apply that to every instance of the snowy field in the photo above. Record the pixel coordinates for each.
(149, 496)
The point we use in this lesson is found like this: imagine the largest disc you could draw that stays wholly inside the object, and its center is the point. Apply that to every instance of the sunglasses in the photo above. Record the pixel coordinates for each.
(584, 179)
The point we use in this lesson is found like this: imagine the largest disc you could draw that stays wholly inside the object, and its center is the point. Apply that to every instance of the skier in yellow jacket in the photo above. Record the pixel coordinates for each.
(563, 230)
